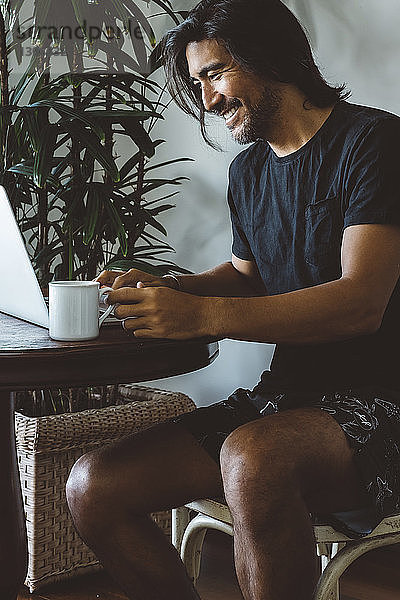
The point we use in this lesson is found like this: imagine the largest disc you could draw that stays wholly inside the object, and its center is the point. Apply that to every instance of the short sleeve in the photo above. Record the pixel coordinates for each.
(372, 183)
(240, 245)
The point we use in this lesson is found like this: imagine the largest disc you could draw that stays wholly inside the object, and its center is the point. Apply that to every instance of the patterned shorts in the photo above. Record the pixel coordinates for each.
(370, 419)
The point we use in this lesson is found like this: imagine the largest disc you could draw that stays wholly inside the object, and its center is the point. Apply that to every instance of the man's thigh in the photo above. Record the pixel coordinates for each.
(158, 468)
(306, 444)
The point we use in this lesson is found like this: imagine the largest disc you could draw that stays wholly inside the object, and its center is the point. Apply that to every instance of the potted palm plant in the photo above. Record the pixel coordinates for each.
(84, 202)
(80, 204)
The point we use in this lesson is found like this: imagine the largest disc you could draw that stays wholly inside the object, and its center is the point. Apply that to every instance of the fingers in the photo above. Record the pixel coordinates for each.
(132, 277)
(118, 279)
(126, 295)
(154, 283)
(107, 278)
(152, 294)
(139, 329)
(143, 333)
(146, 311)
(124, 311)
(138, 325)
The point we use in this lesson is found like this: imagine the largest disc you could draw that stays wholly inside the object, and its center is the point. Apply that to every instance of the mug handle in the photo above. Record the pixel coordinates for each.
(103, 293)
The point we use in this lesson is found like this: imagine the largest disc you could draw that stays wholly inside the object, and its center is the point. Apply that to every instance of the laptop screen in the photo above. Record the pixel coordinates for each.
(21, 295)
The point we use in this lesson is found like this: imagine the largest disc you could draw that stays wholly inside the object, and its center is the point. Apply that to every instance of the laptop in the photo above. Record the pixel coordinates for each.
(20, 294)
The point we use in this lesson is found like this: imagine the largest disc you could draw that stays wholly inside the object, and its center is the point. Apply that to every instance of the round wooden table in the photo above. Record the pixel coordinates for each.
(30, 359)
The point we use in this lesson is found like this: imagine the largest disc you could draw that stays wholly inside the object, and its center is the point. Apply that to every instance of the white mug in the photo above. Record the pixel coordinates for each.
(74, 310)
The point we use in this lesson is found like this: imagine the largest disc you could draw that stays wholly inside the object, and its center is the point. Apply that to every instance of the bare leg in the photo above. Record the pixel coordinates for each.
(276, 472)
(111, 491)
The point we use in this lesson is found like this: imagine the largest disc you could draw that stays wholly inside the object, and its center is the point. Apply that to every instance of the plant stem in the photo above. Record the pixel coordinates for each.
(43, 218)
(70, 255)
(109, 141)
(5, 94)
(69, 252)
(133, 236)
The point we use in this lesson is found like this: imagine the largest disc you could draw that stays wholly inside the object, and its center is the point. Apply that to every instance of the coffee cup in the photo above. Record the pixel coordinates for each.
(74, 310)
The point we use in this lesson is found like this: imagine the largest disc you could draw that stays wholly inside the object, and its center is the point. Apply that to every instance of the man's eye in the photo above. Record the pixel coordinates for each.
(215, 75)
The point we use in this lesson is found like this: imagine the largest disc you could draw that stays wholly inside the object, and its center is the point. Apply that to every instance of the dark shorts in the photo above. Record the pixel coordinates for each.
(370, 419)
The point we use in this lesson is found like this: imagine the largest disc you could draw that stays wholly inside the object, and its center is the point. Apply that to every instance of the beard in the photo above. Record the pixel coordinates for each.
(259, 118)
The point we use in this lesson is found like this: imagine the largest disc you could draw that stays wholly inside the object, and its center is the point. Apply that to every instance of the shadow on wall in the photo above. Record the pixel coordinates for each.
(207, 223)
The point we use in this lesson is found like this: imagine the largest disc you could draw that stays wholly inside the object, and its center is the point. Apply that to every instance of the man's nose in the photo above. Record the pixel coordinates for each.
(210, 96)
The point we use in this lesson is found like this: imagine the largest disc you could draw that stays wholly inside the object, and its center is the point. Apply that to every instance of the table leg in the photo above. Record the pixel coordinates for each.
(13, 544)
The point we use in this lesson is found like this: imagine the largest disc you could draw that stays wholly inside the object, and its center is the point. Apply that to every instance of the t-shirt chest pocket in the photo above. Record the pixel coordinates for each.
(323, 232)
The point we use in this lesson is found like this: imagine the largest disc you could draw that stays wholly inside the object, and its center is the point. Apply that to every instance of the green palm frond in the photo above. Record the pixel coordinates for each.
(79, 204)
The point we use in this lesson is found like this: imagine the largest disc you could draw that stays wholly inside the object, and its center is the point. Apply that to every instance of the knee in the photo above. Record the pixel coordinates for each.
(87, 486)
(108, 483)
(256, 468)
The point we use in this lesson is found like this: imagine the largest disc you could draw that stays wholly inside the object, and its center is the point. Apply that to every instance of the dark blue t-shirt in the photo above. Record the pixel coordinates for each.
(289, 214)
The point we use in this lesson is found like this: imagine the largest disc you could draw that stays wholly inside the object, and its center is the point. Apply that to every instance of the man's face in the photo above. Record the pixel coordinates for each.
(249, 105)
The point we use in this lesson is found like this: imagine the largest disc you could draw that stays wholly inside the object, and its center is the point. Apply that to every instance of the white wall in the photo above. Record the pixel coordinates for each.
(356, 42)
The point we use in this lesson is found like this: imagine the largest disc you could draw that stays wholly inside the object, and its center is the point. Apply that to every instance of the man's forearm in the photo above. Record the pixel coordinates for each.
(330, 312)
(222, 281)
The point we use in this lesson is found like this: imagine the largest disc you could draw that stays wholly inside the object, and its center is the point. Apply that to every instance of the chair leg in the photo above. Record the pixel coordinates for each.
(328, 584)
(193, 539)
(324, 551)
(180, 520)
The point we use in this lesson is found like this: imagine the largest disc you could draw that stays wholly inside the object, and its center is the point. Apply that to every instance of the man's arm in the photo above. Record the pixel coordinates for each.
(236, 278)
(347, 307)
(350, 306)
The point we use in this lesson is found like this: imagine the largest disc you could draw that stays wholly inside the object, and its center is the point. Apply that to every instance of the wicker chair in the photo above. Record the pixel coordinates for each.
(335, 550)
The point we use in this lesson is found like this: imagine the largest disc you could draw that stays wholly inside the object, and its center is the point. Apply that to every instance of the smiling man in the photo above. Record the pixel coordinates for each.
(248, 105)
(315, 210)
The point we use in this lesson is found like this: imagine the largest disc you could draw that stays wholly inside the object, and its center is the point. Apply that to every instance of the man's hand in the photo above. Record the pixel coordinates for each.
(160, 312)
(134, 278)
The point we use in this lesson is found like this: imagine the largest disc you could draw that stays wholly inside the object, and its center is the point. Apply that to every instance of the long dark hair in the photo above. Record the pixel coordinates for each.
(263, 36)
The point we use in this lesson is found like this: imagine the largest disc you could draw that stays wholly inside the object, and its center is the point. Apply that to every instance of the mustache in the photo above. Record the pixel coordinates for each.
(223, 107)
